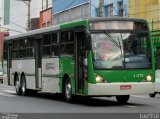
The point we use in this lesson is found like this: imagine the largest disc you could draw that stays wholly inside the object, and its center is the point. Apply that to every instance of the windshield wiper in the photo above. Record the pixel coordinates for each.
(120, 45)
(114, 41)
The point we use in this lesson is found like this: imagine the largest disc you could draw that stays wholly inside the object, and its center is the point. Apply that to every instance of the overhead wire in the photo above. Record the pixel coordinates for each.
(20, 15)
(11, 29)
(16, 24)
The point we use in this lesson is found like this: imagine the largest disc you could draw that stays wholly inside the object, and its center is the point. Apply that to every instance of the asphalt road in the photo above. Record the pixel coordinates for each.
(45, 103)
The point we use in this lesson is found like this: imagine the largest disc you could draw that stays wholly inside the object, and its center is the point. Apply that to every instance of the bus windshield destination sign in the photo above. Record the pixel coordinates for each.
(117, 25)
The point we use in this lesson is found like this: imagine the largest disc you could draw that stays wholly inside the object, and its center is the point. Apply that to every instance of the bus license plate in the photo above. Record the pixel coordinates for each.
(125, 87)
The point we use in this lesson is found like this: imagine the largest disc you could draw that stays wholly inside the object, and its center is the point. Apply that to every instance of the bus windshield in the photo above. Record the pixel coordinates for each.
(126, 50)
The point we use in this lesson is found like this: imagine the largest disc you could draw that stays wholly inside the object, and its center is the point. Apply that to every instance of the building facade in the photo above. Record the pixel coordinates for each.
(71, 10)
(46, 18)
(149, 10)
(35, 23)
(146, 9)
(120, 7)
(18, 15)
(2, 35)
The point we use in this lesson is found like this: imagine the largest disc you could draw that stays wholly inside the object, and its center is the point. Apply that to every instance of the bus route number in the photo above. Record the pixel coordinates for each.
(138, 76)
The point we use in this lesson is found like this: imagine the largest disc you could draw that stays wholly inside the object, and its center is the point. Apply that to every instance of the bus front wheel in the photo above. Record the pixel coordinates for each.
(68, 91)
(152, 95)
(122, 99)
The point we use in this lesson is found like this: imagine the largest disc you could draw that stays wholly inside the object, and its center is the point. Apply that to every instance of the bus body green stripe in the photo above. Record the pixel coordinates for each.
(74, 24)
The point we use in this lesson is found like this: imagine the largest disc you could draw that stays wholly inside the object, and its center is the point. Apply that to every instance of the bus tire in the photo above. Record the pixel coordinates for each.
(17, 86)
(152, 95)
(68, 91)
(23, 86)
(123, 99)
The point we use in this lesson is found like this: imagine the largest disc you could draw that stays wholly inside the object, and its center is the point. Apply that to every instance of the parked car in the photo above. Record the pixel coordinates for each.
(157, 83)
(1, 74)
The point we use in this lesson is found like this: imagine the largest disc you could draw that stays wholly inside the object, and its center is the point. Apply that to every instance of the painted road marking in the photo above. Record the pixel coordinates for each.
(9, 91)
(130, 106)
(140, 96)
(8, 95)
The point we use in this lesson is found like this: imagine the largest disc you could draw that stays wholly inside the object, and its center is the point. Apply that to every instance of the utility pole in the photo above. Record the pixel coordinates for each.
(28, 3)
(42, 4)
(29, 15)
(46, 4)
(101, 8)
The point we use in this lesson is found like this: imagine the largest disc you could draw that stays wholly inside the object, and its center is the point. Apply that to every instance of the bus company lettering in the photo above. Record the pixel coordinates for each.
(50, 66)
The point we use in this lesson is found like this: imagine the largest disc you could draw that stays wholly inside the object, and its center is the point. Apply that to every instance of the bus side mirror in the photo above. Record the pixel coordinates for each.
(87, 41)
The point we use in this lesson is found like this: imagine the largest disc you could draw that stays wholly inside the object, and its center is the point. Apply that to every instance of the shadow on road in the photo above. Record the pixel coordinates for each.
(80, 100)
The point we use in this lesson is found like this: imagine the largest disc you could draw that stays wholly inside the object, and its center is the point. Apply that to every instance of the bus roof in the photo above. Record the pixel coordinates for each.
(34, 32)
(73, 24)
(116, 18)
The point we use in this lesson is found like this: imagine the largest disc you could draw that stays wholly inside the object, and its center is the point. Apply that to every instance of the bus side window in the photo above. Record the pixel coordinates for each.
(22, 51)
(30, 47)
(47, 45)
(15, 50)
(67, 43)
(55, 45)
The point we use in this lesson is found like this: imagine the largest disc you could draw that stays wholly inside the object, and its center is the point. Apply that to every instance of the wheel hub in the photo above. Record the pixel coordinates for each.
(68, 90)
(23, 87)
(17, 85)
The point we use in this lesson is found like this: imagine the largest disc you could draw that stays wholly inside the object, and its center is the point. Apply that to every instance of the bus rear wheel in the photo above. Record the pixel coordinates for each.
(123, 99)
(17, 86)
(23, 87)
(68, 91)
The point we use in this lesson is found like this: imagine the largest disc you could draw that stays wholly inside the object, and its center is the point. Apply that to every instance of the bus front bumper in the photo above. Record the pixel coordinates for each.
(102, 89)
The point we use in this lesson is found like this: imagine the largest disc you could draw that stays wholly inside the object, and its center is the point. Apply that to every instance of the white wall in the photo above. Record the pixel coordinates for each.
(18, 14)
(0, 8)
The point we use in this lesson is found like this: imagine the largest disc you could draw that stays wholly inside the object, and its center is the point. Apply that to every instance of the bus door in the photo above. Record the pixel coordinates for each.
(38, 62)
(79, 62)
(157, 75)
(157, 57)
(9, 62)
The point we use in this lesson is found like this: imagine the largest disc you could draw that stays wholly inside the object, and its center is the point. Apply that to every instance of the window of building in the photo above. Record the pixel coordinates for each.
(97, 12)
(109, 10)
(44, 25)
(120, 8)
(67, 43)
(47, 45)
(48, 23)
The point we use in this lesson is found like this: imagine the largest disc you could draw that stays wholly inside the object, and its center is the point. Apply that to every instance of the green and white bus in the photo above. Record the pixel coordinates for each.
(156, 50)
(91, 57)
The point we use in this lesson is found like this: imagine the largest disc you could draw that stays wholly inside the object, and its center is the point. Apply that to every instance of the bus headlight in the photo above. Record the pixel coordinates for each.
(149, 78)
(99, 79)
